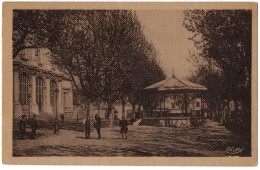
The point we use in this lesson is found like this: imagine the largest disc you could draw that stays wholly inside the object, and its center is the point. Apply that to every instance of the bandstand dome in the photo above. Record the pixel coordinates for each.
(174, 84)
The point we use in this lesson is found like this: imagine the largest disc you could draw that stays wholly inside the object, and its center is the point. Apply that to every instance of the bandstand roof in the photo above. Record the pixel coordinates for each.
(174, 84)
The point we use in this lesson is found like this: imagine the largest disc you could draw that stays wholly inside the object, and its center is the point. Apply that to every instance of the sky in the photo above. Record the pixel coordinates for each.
(164, 28)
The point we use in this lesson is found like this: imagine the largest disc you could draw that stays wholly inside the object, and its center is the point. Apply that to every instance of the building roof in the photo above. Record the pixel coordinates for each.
(38, 59)
(175, 84)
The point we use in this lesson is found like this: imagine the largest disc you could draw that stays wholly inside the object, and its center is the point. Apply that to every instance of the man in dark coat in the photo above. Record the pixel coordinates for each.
(87, 128)
(124, 129)
(22, 126)
(62, 118)
(98, 125)
(34, 126)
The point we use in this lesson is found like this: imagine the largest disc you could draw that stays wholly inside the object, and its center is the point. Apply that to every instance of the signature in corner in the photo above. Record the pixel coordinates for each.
(232, 150)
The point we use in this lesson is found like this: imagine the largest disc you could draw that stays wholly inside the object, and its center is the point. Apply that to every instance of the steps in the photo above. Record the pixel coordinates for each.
(137, 122)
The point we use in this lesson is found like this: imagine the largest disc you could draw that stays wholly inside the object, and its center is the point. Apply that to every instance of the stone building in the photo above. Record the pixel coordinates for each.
(39, 87)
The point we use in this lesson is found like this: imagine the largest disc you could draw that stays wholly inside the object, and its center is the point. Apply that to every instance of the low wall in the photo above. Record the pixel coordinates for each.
(174, 122)
(105, 123)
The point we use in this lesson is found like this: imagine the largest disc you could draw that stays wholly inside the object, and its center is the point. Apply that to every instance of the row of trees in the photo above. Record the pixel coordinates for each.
(104, 52)
(223, 39)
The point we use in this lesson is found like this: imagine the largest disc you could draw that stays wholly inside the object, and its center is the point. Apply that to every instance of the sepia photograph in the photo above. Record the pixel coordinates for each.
(131, 82)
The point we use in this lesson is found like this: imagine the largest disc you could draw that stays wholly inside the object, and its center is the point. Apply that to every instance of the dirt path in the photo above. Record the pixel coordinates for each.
(212, 140)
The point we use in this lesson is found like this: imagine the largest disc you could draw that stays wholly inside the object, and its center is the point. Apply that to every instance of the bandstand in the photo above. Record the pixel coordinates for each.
(189, 116)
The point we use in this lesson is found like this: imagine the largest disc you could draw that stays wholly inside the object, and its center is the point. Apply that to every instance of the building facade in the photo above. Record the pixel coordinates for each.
(39, 87)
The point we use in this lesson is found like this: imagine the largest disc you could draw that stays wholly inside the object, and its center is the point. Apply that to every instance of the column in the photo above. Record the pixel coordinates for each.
(201, 111)
(59, 102)
(160, 109)
(202, 107)
(193, 107)
(164, 104)
(48, 97)
(17, 109)
(34, 107)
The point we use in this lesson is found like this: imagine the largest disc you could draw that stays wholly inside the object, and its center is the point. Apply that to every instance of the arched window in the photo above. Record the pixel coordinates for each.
(39, 92)
(24, 82)
(53, 87)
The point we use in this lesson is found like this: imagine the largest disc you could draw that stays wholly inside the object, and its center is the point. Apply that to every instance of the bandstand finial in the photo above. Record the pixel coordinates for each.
(173, 74)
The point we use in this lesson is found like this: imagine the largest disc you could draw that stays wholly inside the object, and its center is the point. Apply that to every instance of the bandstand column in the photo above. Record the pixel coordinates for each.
(202, 106)
(164, 103)
(161, 108)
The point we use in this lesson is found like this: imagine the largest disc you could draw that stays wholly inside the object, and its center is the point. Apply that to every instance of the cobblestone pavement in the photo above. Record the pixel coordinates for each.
(211, 140)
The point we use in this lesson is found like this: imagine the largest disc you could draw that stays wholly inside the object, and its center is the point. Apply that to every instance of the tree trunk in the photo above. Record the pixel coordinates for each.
(88, 108)
(144, 111)
(139, 111)
(229, 111)
(236, 108)
(123, 109)
(133, 111)
(110, 116)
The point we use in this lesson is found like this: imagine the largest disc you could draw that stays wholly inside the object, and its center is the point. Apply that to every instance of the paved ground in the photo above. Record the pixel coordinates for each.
(212, 140)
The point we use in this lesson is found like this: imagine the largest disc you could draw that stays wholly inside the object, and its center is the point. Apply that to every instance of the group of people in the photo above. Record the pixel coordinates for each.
(88, 122)
(34, 125)
(97, 124)
(23, 124)
(56, 123)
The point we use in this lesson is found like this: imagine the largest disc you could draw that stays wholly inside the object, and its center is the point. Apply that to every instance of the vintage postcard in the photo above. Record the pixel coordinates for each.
(130, 83)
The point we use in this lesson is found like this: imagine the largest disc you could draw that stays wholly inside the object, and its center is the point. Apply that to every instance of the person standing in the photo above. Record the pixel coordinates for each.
(87, 127)
(22, 126)
(56, 125)
(34, 126)
(98, 125)
(62, 118)
(124, 129)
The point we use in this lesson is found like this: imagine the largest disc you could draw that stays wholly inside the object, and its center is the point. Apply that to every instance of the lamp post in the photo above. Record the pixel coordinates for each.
(77, 105)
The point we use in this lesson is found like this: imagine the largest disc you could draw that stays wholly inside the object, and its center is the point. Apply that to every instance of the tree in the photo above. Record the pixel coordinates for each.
(223, 39)
(152, 73)
(215, 94)
(89, 47)
(71, 42)
(182, 100)
(123, 32)
(101, 51)
(224, 36)
(29, 30)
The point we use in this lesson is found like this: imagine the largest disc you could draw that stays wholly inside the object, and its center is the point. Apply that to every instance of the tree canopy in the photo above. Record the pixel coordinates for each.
(223, 39)
(104, 52)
